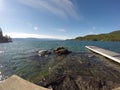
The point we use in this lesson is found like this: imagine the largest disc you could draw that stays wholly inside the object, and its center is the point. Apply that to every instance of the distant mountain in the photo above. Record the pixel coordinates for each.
(35, 39)
(113, 36)
(4, 39)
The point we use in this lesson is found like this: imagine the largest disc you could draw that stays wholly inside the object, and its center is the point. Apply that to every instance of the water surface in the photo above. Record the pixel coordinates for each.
(15, 56)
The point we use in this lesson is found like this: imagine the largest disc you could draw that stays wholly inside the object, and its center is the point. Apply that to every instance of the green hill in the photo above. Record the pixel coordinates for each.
(113, 36)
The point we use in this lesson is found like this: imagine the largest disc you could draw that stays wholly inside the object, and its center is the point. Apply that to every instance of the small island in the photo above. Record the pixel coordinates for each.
(4, 39)
(112, 36)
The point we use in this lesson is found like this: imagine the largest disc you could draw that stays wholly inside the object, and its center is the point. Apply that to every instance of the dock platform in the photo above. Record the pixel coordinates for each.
(106, 53)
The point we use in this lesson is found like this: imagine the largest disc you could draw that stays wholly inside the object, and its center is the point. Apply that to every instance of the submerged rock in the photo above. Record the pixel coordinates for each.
(80, 72)
(75, 71)
(61, 51)
(58, 51)
(44, 52)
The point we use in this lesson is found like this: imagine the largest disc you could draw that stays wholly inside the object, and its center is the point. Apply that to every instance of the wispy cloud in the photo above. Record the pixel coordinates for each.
(62, 30)
(92, 30)
(2, 7)
(28, 35)
(64, 8)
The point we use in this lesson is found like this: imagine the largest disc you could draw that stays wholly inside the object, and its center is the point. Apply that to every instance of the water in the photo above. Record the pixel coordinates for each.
(15, 56)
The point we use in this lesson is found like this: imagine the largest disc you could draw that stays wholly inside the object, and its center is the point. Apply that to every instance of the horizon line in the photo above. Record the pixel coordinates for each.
(37, 36)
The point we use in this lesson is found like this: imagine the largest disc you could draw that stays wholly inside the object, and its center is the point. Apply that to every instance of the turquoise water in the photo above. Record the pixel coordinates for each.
(15, 55)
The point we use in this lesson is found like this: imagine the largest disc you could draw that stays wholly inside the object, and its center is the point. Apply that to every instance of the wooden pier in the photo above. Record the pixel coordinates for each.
(106, 53)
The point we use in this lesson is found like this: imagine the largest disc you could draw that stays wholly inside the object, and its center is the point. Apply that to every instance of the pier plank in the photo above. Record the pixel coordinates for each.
(106, 53)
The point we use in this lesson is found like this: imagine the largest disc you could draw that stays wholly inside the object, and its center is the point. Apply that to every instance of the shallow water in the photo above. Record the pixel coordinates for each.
(15, 56)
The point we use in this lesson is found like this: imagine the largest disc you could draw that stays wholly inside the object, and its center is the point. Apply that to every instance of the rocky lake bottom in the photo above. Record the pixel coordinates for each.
(79, 69)
(73, 71)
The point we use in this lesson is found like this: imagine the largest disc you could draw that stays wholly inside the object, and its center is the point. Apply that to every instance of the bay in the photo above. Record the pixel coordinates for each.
(15, 56)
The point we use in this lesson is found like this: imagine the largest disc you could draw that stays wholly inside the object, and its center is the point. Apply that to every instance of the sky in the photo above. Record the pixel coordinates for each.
(60, 19)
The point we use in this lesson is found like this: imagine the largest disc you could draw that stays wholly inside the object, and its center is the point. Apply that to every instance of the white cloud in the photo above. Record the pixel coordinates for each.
(62, 8)
(62, 30)
(90, 33)
(26, 35)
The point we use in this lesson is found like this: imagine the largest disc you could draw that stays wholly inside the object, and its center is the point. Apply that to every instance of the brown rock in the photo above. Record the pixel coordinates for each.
(61, 50)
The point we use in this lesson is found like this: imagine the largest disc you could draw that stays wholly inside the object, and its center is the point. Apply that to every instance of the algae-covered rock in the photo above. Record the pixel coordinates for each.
(74, 71)
(61, 50)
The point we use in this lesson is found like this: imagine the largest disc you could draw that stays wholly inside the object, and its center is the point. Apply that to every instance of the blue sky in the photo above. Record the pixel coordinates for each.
(61, 19)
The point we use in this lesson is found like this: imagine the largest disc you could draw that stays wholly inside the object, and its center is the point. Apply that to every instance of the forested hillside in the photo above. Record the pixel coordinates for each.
(113, 36)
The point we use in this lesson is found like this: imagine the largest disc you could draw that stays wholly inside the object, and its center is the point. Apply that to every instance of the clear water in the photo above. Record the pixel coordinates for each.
(15, 55)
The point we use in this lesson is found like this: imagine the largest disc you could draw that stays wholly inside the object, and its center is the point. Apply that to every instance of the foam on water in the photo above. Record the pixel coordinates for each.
(1, 51)
(1, 76)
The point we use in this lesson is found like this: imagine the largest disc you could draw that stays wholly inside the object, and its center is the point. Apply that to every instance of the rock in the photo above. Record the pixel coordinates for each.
(44, 52)
(61, 50)
(76, 71)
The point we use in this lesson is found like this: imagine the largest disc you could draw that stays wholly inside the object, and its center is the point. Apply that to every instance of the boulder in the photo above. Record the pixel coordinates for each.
(44, 52)
(61, 50)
